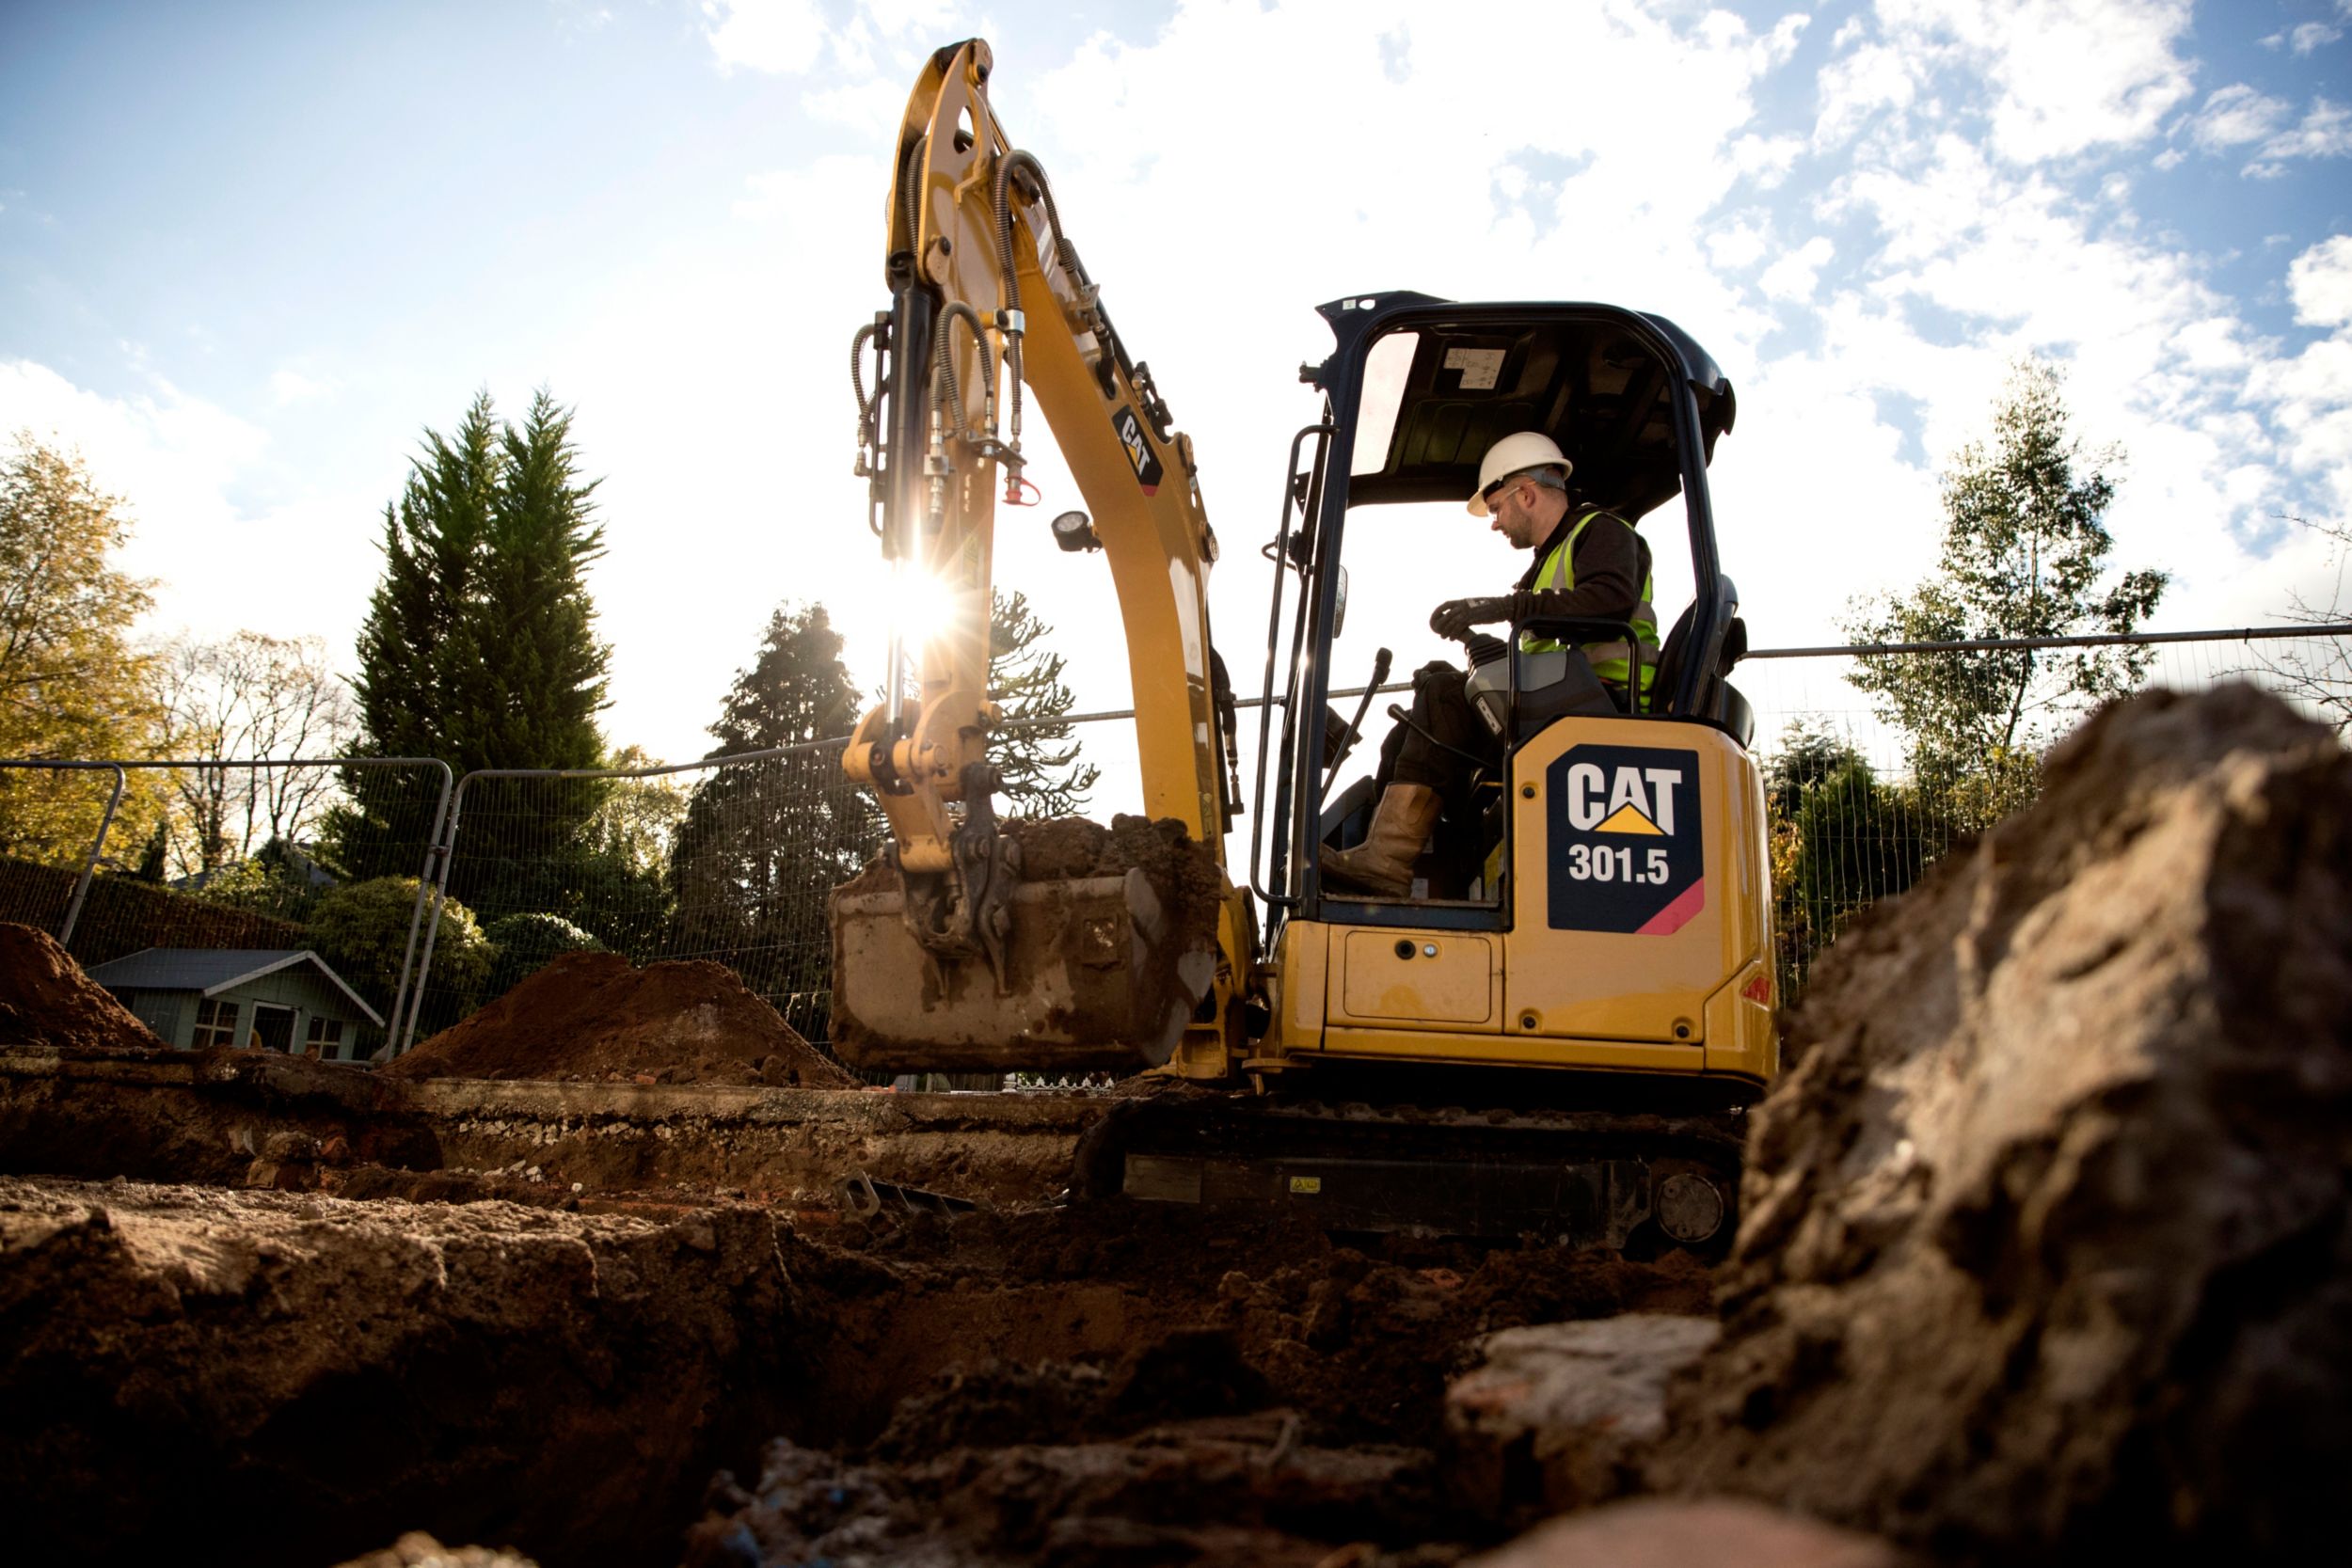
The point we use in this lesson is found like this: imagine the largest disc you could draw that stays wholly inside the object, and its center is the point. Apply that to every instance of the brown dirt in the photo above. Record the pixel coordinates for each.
(1118, 1384)
(268, 1378)
(2047, 1251)
(45, 999)
(593, 1015)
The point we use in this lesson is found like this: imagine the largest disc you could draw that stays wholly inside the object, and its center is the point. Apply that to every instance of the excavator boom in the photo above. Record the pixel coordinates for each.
(951, 956)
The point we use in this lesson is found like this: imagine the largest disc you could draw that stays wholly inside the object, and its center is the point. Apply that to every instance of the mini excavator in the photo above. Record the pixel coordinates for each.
(1562, 1035)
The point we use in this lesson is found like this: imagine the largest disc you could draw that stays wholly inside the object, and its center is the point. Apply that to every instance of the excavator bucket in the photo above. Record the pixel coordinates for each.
(1096, 979)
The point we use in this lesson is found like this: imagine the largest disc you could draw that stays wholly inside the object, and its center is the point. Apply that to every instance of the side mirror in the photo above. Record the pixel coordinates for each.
(1339, 610)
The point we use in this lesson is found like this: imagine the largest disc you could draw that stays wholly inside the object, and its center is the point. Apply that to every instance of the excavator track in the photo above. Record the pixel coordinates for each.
(1598, 1179)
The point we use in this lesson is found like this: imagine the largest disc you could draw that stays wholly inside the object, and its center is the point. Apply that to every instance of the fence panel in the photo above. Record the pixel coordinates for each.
(727, 860)
(1852, 822)
(211, 861)
(730, 858)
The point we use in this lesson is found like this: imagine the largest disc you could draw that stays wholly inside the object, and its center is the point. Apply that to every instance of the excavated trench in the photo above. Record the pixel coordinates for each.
(2045, 1252)
(524, 1357)
(286, 1310)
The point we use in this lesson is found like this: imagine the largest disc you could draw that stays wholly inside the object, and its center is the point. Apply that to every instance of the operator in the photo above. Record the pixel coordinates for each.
(1588, 563)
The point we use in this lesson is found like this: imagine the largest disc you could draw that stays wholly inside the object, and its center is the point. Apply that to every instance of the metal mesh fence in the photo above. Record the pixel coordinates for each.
(1853, 818)
(728, 860)
(218, 862)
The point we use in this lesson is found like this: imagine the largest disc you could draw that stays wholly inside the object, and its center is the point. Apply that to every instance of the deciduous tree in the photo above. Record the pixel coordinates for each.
(251, 695)
(72, 687)
(2025, 555)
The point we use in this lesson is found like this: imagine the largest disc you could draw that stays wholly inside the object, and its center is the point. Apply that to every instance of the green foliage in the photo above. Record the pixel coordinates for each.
(2024, 556)
(1039, 765)
(1841, 839)
(478, 645)
(276, 881)
(361, 930)
(526, 943)
(762, 843)
(71, 687)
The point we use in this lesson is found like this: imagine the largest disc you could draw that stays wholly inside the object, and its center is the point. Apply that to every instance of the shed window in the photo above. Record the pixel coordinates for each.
(215, 1023)
(327, 1035)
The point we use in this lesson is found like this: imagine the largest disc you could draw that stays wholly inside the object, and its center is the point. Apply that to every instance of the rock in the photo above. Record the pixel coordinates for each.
(419, 1550)
(1548, 1419)
(2046, 1251)
(1658, 1533)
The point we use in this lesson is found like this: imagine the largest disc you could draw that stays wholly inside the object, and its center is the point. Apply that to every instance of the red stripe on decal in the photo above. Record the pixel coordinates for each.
(1675, 916)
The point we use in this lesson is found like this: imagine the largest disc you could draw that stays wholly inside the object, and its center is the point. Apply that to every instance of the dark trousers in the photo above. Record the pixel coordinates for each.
(1442, 712)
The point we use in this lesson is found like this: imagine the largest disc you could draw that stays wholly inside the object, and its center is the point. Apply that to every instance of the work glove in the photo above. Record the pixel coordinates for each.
(1455, 618)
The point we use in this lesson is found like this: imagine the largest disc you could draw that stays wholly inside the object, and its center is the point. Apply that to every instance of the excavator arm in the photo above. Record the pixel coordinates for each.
(948, 957)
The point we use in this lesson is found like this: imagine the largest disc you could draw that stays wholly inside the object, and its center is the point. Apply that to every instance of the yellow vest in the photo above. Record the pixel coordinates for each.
(1611, 662)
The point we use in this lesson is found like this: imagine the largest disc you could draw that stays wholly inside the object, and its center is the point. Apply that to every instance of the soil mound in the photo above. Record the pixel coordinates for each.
(2047, 1252)
(594, 1016)
(45, 999)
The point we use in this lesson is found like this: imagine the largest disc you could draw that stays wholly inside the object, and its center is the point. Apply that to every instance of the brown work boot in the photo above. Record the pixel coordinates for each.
(1383, 863)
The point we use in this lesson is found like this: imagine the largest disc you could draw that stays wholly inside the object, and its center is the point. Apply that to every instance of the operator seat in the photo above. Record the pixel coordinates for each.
(1719, 701)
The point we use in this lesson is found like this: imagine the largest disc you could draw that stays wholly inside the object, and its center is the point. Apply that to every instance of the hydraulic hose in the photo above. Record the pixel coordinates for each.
(943, 363)
(1010, 287)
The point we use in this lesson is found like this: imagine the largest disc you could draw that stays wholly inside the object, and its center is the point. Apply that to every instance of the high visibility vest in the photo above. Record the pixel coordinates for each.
(1610, 660)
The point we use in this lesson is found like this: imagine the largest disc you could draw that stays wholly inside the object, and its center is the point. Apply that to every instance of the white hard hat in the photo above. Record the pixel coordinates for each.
(1529, 448)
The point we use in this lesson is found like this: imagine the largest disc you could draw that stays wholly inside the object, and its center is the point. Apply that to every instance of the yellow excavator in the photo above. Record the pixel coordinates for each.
(1561, 1034)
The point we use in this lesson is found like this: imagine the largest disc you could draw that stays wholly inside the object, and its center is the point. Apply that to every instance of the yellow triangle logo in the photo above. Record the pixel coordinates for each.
(1625, 819)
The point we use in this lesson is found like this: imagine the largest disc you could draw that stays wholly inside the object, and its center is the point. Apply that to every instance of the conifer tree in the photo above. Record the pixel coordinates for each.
(479, 647)
(763, 841)
(1038, 764)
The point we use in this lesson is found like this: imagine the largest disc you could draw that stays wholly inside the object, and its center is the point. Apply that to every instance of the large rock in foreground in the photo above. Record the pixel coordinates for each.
(2045, 1251)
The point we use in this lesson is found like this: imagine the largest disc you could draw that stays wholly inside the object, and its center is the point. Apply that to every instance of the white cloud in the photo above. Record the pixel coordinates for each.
(2312, 36)
(782, 38)
(181, 462)
(290, 386)
(2325, 131)
(1795, 275)
(2320, 283)
(2235, 115)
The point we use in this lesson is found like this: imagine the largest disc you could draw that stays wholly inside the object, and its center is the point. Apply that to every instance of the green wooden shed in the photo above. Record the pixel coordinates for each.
(261, 999)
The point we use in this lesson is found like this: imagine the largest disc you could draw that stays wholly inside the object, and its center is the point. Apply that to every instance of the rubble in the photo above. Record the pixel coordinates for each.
(1555, 1416)
(2046, 1249)
(595, 1015)
(45, 999)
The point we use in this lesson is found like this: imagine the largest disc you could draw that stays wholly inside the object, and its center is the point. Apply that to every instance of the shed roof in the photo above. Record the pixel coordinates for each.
(210, 971)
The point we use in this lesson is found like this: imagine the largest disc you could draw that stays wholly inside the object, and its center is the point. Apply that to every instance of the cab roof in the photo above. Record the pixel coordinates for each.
(1595, 378)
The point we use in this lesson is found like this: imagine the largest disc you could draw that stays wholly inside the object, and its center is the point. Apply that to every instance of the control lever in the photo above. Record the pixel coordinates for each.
(1380, 662)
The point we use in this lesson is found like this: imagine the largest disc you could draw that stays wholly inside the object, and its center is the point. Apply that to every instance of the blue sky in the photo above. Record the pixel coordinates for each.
(248, 252)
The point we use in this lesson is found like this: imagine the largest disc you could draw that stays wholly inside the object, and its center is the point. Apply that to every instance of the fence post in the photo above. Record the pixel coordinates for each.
(416, 914)
(438, 883)
(89, 866)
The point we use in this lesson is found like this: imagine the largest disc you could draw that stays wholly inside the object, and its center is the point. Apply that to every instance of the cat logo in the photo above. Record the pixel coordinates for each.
(1625, 851)
(1139, 455)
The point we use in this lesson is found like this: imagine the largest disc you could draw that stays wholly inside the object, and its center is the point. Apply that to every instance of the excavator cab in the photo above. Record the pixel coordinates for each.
(1604, 907)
